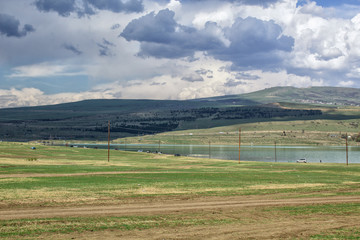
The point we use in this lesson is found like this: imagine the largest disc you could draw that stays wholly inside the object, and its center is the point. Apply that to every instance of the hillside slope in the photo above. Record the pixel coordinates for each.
(317, 95)
(88, 119)
(312, 95)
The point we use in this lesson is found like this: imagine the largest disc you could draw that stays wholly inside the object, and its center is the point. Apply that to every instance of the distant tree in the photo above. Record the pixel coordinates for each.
(357, 138)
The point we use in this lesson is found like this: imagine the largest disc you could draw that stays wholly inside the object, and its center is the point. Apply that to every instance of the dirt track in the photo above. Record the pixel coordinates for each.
(163, 208)
(25, 175)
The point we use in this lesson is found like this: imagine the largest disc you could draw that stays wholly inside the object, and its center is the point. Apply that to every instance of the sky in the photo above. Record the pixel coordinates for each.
(57, 51)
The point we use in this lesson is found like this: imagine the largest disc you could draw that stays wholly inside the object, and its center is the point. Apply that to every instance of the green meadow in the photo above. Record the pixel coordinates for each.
(52, 176)
(297, 132)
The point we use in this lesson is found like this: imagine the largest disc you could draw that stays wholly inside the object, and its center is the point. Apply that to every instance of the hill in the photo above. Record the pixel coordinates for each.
(311, 95)
(88, 119)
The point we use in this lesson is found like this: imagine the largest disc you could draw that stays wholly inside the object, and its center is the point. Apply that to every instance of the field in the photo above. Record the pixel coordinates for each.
(299, 132)
(74, 193)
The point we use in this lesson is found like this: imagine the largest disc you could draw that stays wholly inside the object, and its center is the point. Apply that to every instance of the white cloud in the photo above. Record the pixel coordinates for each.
(45, 70)
(346, 83)
(23, 97)
(224, 17)
(153, 88)
(34, 97)
(326, 51)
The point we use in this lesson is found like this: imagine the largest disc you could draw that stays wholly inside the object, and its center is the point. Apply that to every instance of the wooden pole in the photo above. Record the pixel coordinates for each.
(209, 149)
(275, 152)
(173, 144)
(347, 151)
(239, 143)
(109, 141)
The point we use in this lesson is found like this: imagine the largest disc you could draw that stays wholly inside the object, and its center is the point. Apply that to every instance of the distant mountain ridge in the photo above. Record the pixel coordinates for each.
(311, 95)
(88, 119)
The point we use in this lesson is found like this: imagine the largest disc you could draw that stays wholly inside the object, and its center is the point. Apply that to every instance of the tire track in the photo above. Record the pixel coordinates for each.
(162, 208)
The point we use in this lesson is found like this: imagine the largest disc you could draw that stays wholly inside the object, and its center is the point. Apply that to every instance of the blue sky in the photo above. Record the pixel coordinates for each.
(332, 3)
(70, 50)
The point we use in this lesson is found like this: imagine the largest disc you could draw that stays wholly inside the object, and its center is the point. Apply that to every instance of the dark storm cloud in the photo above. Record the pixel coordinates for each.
(72, 49)
(10, 27)
(62, 7)
(252, 35)
(88, 7)
(158, 28)
(162, 37)
(255, 44)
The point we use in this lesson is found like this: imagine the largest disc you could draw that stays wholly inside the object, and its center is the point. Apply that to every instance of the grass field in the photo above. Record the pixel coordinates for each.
(300, 132)
(74, 193)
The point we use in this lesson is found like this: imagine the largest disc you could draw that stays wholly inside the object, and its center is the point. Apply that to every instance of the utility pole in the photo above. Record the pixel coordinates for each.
(109, 141)
(275, 152)
(347, 151)
(173, 144)
(209, 149)
(239, 143)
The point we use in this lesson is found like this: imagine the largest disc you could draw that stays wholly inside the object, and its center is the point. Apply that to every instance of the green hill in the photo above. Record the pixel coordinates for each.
(88, 119)
(312, 95)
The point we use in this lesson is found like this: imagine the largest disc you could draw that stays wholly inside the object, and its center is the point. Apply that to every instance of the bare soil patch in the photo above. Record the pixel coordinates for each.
(255, 221)
(166, 207)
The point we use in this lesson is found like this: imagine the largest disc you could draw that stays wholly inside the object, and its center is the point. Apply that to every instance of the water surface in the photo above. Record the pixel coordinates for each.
(314, 154)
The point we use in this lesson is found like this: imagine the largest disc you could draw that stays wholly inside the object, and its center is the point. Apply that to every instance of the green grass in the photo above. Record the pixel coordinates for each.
(341, 233)
(298, 132)
(69, 225)
(324, 209)
(151, 177)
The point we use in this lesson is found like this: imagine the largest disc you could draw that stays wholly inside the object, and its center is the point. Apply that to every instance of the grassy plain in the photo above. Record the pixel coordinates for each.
(51, 177)
(298, 132)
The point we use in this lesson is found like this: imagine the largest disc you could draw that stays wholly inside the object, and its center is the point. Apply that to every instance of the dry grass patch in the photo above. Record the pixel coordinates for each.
(17, 180)
(53, 162)
(286, 186)
(351, 183)
(26, 197)
(151, 191)
(284, 171)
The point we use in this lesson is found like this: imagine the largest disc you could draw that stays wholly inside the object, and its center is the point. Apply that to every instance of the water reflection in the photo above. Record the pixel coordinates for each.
(313, 154)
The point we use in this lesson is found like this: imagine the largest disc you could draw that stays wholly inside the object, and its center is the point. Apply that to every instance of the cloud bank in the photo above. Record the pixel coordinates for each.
(88, 7)
(67, 50)
(10, 27)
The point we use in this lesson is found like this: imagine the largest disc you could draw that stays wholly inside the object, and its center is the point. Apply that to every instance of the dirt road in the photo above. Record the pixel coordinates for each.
(25, 175)
(166, 207)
